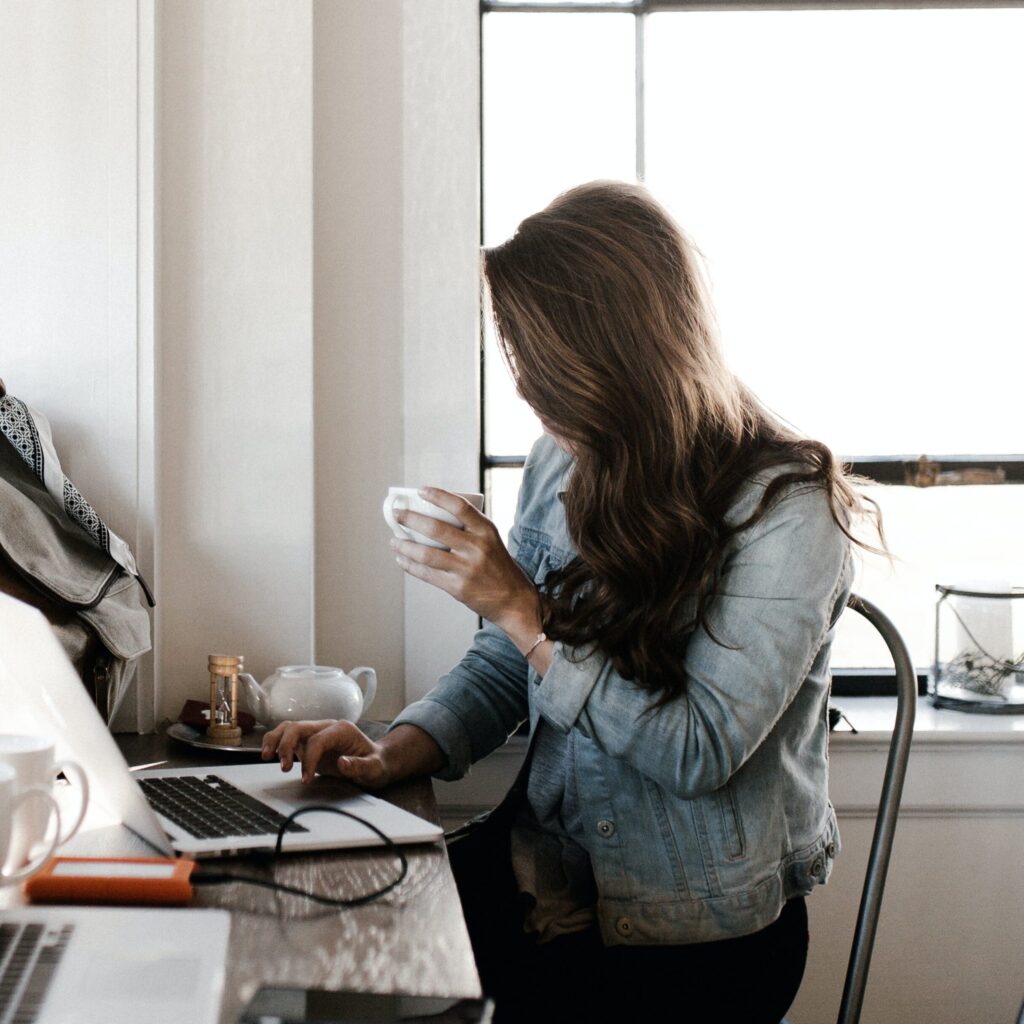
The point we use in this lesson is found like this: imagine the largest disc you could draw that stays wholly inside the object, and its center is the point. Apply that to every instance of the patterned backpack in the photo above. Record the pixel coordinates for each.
(58, 555)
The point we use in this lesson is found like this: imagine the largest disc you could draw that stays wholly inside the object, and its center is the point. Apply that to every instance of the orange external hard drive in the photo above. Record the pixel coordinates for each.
(145, 880)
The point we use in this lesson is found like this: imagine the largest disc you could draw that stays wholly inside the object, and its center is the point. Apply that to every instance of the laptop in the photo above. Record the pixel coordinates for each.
(117, 966)
(41, 694)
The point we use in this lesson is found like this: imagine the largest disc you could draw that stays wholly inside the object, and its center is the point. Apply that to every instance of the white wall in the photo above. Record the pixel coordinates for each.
(67, 233)
(950, 929)
(235, 363)
(319, 304)
(357, 101)
(397, 238)
(441, 336)
(239, 245)
(70, 245)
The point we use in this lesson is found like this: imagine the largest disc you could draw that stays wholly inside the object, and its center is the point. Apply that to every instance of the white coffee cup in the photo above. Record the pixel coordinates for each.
(409, 498)
(14, 797)
(33, 761)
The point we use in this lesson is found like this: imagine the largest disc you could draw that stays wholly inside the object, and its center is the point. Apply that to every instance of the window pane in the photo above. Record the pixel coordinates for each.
(510, 427)
(501, 487)
(853, 178)
(559, 109)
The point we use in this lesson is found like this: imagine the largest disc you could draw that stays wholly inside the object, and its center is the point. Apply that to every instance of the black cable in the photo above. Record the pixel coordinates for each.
(203, 877)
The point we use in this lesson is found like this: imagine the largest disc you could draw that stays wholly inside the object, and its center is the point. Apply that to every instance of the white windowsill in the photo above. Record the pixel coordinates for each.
(874, 717)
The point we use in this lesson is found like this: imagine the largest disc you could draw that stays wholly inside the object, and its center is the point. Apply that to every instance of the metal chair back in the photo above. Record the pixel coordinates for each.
(888, 811)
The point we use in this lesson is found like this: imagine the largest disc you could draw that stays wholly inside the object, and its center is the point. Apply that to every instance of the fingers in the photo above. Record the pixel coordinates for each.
(366, 772)
(463, 510)
(482, 536)
(322, 748)
(433, 558)
(444, 533)
(445, 581)
(474, 527)
(436, 566)
(307, 742)
(327, 747)
(285, 740)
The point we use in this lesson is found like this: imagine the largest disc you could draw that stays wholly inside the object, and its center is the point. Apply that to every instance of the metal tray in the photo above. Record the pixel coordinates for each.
(251, 744)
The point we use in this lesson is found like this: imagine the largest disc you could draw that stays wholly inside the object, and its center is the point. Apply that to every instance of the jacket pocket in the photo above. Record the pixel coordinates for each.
(733, 841)
(537, 555)
(674, 857)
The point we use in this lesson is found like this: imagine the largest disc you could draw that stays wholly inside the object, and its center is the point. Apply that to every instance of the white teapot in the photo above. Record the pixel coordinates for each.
(296, 692)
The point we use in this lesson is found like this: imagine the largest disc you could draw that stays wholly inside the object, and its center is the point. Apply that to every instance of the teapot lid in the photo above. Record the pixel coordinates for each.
(310, 670)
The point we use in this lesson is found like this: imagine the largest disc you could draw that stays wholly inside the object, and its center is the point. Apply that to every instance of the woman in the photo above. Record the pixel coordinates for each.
(662, 618)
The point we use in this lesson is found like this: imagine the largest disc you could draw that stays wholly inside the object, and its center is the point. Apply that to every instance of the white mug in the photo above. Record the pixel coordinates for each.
(12, 797)
(409, 498)
(33, 761)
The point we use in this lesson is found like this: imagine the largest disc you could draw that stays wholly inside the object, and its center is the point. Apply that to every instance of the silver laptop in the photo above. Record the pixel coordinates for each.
(40, 694)
(113, 965)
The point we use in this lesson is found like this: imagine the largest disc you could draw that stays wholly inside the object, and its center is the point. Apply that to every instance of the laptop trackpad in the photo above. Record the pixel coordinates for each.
(320, 791)
(142, 981)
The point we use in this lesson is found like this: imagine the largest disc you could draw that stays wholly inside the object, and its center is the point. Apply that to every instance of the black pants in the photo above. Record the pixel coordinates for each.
(748, 980)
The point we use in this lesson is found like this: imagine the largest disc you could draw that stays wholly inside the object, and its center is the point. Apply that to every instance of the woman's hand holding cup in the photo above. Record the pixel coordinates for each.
(403, 499)
(468, 560)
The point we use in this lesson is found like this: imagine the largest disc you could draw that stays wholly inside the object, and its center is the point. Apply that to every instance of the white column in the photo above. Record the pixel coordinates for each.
(235, 368)
(359, 385)
(441, 239)
(397, 238)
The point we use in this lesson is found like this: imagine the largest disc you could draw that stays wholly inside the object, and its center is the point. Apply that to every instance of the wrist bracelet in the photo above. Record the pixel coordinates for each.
(541, 637)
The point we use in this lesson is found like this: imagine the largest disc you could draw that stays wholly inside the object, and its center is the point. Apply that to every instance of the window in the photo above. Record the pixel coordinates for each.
(851, 177)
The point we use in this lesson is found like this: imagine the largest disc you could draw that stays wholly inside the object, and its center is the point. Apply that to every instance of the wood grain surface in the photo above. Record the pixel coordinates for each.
(412, 940)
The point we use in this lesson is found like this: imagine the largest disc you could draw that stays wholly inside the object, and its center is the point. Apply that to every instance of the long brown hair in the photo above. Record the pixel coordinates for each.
(603, 319)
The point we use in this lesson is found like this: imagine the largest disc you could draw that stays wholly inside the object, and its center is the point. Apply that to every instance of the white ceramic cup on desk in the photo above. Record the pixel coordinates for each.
(409, 498)
(33, 761)
(13, 798)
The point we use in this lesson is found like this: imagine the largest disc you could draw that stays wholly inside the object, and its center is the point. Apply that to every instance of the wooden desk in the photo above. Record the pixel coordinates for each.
(412, 940)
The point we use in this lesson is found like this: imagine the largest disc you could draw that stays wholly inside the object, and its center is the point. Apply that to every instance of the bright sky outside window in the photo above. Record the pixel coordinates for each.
(852, 179)
(558, 110)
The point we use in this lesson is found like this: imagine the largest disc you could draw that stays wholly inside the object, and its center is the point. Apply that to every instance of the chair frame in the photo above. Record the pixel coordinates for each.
(888, 812)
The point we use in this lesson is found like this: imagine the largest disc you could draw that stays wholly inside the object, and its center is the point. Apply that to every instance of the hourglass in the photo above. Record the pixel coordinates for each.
(224, 727)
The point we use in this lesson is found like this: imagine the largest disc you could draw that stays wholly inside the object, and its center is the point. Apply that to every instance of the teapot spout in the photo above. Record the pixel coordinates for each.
(255, 697)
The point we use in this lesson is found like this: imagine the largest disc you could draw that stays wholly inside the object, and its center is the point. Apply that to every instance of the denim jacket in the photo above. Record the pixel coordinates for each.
(707, 815)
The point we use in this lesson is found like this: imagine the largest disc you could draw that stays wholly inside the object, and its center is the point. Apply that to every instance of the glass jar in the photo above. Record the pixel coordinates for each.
(979, 648)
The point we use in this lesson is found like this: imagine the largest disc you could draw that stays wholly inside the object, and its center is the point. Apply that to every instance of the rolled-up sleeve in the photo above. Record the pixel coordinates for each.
(477, 706)
(774, 608)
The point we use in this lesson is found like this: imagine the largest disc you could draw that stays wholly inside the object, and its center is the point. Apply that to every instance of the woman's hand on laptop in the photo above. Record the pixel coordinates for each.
(329, 748)
(335, 748)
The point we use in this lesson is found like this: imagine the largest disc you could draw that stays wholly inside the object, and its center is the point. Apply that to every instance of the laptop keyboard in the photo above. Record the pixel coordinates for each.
(210, 808)
(29, 957)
